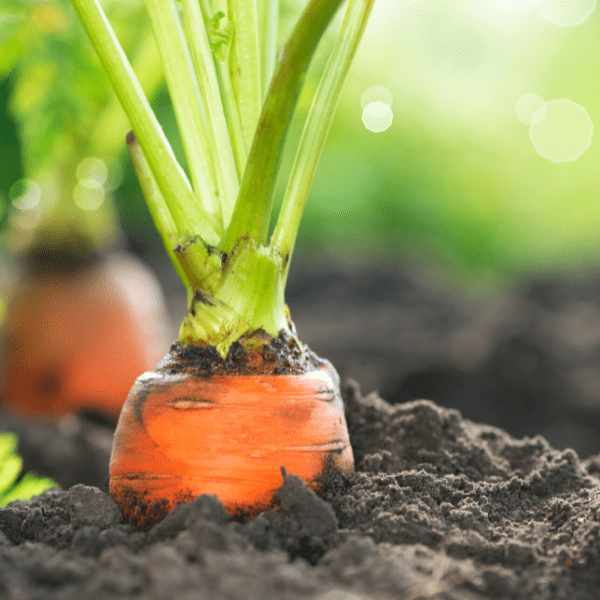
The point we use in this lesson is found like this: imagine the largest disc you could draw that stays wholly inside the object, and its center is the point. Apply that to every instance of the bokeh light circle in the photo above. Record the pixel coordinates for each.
(92, 169)
(376, 93)
(528, 105)
(564, 132)
(89, 195)
(377, 116)
(25, 194)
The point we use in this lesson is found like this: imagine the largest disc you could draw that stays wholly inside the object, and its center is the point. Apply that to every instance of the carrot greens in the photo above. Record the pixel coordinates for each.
(234, 99)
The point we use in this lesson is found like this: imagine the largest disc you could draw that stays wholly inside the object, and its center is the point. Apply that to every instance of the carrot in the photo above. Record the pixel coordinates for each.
(180, 436)
(65, 332)
(239, 396)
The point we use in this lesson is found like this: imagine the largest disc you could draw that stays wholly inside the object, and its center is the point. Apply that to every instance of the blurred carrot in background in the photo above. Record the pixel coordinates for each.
(76, 303)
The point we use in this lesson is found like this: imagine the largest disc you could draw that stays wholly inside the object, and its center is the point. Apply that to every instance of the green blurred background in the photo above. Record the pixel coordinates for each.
(455, 180)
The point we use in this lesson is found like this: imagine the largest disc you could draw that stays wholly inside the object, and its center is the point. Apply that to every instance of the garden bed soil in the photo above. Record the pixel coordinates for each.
(439, 506)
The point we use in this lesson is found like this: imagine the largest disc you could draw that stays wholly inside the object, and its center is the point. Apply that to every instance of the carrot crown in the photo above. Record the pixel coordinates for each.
(234, 97)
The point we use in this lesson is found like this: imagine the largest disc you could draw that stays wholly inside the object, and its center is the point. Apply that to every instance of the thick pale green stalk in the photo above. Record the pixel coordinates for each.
(317, 126)
(169, 176)
(269, 21)
(249, 296)
(252, 211)
(233, 118)
(167, 228)
(109, 129)
(252, 286)
(224, 163)
(183, 89)
(245, 64)
(221, 61)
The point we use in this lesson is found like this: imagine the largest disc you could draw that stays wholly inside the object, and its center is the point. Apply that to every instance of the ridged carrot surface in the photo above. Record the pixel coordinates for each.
(180, 436)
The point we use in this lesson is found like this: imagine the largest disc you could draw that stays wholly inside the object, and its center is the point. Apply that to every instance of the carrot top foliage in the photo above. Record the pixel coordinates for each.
(234, 96)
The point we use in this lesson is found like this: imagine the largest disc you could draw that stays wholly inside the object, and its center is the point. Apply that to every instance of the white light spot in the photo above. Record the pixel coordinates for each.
(564, 131)
(377, 116)
(539, 114)
(115, 174)
(88, 195)
(92, 169)
(513, 6)
(376, 93)
(25, 194)
(566, 12)
(527, 105)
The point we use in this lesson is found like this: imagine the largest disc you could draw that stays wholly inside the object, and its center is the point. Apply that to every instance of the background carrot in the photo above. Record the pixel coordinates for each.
(76, 338)
(82, 322)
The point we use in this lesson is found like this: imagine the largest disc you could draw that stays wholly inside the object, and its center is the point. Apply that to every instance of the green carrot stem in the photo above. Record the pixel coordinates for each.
(245, 64)
(317, 126)
(170, 178)
(181, 81)
(108, 132)
(233, 119)
(202, 56)
(252, 210)
(269, 29)
(249, 296)
(167, 228)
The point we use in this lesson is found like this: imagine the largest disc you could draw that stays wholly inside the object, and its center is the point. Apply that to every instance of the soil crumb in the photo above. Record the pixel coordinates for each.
(439, 507)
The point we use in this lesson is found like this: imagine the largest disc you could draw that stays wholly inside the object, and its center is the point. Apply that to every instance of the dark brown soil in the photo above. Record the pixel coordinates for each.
(525, 358)
(258, 353)
(439, 506)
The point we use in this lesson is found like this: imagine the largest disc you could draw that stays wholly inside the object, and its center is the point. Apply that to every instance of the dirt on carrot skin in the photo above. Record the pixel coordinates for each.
(255, 354)
(439, 507)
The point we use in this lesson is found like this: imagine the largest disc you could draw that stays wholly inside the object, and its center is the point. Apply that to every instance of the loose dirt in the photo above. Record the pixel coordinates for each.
(439, 507)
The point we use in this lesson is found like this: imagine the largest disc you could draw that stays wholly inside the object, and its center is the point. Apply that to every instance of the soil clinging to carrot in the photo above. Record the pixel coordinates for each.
(439, 507)
(255, 354)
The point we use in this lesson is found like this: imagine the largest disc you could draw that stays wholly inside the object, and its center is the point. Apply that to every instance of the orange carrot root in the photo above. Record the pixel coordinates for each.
(180, 435)
(75, 342)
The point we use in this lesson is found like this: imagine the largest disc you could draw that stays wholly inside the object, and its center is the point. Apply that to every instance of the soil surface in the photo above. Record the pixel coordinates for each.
(439, 506)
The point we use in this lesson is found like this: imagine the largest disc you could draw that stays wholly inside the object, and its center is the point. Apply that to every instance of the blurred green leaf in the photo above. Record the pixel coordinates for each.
(10, 467)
